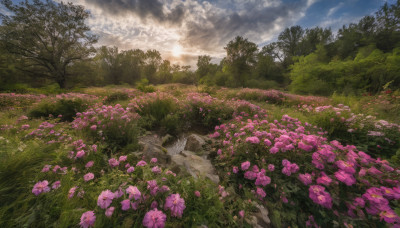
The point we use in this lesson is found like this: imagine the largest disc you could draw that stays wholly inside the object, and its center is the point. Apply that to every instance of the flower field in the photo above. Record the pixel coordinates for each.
(282, 160)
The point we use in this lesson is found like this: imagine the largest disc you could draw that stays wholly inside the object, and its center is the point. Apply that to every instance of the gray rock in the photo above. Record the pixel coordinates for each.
(195, 143)
(195, 165)
(152, 148)
(262, 216)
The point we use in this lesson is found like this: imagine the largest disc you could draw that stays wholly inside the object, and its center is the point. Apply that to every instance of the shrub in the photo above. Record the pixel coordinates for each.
(116, 96)
(303, 178)
(64, 108)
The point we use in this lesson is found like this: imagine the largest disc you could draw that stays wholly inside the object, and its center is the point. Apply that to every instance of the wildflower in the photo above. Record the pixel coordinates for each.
(245, 165)
(122, 158)
(344, 177)
(262, 179)
(71, 192)
(130, 169)
(41, 187)
(305, 178)
(176, 204)
(152, 185)
(271, 167)
(89, 164)
(250, 175)
(324, 179)
(88, 177)
(105, 198)
(153, 160)
(126, 204)
(154, 219)
(113, 162)
(241, 213)
(197, 193)
(46, 168)
(141, 163)
(93, 127)
(110, 211)
(261, 192)
(56, 185)
(133, 192)
(235, 169)
(80, 154)
(319, 196)
(87, 219)
(156, 169)
(254, 140)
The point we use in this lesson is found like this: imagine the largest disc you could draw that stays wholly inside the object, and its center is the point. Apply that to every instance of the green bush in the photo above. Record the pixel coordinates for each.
(143, 85)
(66, 108)
(116, 96)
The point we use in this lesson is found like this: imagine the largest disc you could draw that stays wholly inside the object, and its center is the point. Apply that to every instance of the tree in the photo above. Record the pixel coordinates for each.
(289, 41)
(240, 58)
(47, 37)
(152, 63)
(109, 60)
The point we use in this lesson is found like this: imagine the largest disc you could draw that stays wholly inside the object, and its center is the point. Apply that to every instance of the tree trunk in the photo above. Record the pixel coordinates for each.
(61, 80)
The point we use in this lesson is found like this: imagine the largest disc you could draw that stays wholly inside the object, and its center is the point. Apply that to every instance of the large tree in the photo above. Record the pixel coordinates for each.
(240, 58)
(47, 37)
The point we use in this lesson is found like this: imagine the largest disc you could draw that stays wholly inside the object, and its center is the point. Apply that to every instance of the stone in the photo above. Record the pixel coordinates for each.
(195, 143)
(262, 216)
(195, 165)
(152, 148)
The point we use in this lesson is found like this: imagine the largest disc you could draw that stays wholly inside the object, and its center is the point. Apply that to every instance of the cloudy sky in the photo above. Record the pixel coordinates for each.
(183, 29)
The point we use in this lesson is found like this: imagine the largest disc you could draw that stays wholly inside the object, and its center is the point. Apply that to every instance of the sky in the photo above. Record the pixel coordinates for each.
(181, 30)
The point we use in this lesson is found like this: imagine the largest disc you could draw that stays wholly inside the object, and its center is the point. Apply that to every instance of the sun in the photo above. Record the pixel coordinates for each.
(177, 50)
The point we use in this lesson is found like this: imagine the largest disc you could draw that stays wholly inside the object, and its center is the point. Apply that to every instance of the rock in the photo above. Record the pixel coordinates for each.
(252, 220)
(262, 216)
(195, 143)
(167, 139)
(195, 165)
(152, 149)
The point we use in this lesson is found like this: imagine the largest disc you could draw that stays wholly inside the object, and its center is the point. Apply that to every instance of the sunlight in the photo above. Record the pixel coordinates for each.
(177, 50)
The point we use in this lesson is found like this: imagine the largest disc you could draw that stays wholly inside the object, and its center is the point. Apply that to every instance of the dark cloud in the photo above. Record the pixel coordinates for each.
(143, 8)
(215, 30)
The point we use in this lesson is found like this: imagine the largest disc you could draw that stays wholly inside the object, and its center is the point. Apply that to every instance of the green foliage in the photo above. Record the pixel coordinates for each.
(116, 96)
(143, 85)
(65, 107)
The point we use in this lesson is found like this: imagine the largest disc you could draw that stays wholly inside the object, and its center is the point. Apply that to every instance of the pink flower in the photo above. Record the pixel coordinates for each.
(267, 142)
(346, 166)
(345, 177)
(250, 175)
(271, 167)
(324, 179)
(389, 216)
(262, 179)
(260, 192)
(94, 148)
(130, 169)
(126, 205)
(152, 185)
(87, 219)
(133, 192)
(153, 160)
(235, 169)
(89, 164)
(93, 127)
(156, 169)
(88, 177)
(56, 185)
(241, 213)
(197, 193)
(141, 163)
(110, 211)
(113, 162)
(122, 158)
(305, 178)
(105, 198)
(245, 165)
(319, 196)
(80, 154)
(71, 192)
(254, 140)
(176, 204)
(41, 187)
(154, 219)
(46, 168)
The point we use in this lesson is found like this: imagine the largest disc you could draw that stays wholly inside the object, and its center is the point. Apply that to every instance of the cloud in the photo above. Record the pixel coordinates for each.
(199, 26)
(145, 9)
(334, 9)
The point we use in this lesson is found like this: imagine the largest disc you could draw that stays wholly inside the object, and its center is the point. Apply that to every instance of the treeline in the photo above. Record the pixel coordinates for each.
(47, 42)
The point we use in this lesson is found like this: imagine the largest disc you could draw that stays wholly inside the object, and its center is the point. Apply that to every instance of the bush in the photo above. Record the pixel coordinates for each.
(116, 96)
(143, 85)
(262, 84)
(65, 108)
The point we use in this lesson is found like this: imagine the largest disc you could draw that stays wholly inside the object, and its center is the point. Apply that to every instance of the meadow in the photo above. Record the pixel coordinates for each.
(77, 158)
